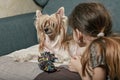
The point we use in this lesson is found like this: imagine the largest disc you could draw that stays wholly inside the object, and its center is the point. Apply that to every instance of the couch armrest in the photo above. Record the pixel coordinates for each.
(17, 32)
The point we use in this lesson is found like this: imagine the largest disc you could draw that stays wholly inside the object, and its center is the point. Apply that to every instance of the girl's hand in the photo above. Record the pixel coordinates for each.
(75, 64)
(71, 68)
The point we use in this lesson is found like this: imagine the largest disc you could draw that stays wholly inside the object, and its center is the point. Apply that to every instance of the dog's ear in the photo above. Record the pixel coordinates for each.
(38, 13)
(61, 11)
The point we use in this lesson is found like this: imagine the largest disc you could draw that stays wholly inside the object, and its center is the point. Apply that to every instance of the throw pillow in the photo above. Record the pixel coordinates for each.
(41, 3)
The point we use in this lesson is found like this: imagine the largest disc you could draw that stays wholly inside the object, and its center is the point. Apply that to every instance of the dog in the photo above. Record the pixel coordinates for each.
(51, 33)
(52, 36)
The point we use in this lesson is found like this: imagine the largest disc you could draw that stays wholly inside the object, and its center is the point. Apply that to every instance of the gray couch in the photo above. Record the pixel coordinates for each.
(18, 32)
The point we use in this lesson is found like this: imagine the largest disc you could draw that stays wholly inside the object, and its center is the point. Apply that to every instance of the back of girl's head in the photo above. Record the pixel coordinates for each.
(109, 49)
(91, 19)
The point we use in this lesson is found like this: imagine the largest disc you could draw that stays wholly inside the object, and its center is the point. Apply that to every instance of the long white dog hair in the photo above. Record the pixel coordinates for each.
(50, 27)
(52, 33)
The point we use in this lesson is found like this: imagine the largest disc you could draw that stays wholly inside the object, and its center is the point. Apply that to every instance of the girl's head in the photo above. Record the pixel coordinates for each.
(90, 19)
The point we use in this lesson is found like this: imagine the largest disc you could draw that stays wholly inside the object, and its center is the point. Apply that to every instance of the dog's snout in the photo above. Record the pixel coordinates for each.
(46, 29)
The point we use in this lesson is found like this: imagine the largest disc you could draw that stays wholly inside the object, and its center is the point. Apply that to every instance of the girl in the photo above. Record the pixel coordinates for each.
(91, 25)
(101, 59)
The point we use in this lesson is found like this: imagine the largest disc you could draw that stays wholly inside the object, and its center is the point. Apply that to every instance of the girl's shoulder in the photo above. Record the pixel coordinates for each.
(96, 59)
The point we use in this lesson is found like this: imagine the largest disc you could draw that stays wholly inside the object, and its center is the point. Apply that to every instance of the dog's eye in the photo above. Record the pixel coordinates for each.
(53, 25)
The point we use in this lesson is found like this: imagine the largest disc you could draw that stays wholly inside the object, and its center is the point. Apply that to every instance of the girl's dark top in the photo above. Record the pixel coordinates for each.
(62, 74)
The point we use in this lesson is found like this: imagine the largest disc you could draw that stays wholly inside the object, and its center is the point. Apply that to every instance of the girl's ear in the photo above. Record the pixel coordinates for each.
(38, 13)
(77, 35)
(61, 11)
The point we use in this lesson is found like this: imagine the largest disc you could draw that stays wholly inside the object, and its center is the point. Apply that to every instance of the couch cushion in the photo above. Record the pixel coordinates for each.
(112, 6)
(17, 32)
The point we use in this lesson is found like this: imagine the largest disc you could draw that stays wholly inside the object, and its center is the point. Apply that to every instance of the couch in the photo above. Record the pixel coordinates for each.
(18, 32)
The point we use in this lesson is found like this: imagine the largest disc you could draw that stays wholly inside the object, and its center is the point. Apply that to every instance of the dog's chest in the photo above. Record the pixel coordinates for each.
(55, 47)
(51, 44)
(61, 53)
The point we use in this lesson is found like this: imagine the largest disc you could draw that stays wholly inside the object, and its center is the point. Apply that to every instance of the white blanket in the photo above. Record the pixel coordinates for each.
(29, 54)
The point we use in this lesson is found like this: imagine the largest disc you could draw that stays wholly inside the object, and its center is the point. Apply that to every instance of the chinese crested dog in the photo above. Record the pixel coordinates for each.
(52, 35)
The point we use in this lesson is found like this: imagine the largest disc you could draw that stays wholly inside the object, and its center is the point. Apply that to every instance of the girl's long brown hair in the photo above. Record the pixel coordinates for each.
(110, 48)
(91, 19)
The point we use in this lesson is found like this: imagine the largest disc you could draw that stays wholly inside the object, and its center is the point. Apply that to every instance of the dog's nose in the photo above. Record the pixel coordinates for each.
(46, 29)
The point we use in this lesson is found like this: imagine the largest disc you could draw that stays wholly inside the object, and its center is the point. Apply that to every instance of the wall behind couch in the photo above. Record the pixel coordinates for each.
(16, 7)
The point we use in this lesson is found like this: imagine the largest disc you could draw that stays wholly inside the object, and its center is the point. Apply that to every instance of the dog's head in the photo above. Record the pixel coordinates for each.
(51, 25)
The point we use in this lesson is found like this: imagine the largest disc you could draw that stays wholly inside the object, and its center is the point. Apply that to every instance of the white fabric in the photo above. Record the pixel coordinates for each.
(26, 54)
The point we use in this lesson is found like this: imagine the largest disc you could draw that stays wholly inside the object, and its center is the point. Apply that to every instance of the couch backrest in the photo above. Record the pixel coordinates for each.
(17, 32)
(112, 5)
